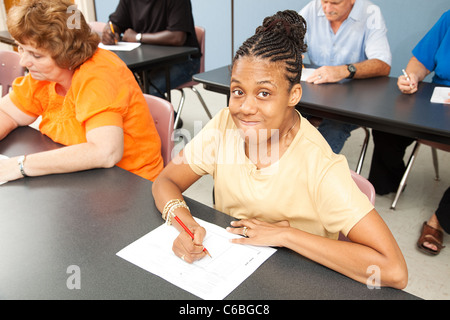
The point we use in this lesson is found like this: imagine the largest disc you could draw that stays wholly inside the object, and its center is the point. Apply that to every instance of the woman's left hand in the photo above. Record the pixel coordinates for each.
(9, 170)
(259, 233)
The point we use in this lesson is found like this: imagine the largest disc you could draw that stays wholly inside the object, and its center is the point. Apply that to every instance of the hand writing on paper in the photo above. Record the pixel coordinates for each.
(108, 37)
(187, 249)
(448, 100)
(259, 233)
(408, 86)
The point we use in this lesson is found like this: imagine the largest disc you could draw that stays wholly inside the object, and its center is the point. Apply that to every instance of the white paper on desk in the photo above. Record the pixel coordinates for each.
(440, 94)
(306, 72)
(210, 278)
(3, 157)
(120, 46)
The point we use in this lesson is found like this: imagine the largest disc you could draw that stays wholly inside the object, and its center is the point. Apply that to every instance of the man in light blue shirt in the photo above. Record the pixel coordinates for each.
(346, 39)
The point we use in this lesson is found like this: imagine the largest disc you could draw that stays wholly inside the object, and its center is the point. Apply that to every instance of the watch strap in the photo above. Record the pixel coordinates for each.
(20, 162)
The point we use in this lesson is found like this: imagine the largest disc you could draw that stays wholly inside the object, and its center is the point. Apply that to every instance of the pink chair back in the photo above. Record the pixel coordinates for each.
(366, 187)
(163, 116)
(201, 33)
(97, 26)
(10, 69)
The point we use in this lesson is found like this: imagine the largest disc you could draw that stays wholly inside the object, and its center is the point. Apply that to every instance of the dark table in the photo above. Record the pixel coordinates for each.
(375, 103)
(55, 227)
(147, 57)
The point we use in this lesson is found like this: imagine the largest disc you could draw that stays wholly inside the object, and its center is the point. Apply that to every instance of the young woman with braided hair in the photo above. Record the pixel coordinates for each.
(274, 171)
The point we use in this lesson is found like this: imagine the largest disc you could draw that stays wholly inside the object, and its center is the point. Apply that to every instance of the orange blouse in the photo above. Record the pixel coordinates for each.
(104, 92)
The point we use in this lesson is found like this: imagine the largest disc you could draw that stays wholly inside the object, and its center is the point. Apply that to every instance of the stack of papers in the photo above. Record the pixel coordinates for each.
(210, 278)
(440, 94)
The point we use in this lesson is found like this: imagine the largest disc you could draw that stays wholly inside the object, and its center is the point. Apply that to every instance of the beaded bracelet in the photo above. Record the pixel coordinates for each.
(170, 207)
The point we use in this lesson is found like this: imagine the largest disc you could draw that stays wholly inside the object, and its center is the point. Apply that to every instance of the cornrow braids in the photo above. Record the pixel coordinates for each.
(280, 38)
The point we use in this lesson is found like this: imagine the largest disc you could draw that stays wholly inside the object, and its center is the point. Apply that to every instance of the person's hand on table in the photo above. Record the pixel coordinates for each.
(448, 100)
(9, 169)
(187, 249)
(109, 38)
(129, 35)
(408, 86)
(327, 74)
(259, 233)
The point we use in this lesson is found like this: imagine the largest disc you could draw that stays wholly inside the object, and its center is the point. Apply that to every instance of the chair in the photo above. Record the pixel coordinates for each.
(97, 26)
(162, 113)
(366, 187)
(200, 32)
(434, 146)
(10, 69)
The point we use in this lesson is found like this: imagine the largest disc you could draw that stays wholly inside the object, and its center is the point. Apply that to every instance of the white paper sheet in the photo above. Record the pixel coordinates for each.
(306, 72)
(121, 46)
(2, 157)
(210, 278)
(440, 94)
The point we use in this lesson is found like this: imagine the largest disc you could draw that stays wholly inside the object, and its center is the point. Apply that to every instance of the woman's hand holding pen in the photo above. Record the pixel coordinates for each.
(187, 249)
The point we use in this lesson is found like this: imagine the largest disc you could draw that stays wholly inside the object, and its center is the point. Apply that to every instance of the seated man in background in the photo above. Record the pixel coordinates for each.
(346, 39)
(168, 22)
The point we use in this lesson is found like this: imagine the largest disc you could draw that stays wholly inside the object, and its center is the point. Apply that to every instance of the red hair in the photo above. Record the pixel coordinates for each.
(55, 26)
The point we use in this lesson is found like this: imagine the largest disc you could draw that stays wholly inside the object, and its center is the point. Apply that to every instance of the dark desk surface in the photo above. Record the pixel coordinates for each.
(148, 56)
(376, 103)
(50, 223)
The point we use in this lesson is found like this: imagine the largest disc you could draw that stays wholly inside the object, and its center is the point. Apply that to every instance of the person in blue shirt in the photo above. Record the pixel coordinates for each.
(346, 39)
(430, 54)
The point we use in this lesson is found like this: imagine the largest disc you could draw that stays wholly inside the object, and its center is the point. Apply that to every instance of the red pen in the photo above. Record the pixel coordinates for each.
(190, 233)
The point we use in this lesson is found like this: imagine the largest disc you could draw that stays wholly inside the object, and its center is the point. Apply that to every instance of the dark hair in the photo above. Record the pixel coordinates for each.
(280, 38)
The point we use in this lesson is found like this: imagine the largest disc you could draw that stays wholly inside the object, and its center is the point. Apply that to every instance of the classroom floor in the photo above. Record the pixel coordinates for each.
(429, 276)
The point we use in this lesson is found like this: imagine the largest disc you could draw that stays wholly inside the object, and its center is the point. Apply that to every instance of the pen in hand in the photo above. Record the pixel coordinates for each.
(189, 232)
(407, 78)
(113, 33)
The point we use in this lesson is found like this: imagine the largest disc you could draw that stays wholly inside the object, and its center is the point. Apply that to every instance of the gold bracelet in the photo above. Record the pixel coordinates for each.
(170, 207)
(171, 213)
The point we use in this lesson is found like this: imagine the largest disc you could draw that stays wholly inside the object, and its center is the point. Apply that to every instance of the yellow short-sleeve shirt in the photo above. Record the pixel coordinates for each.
(309, 185)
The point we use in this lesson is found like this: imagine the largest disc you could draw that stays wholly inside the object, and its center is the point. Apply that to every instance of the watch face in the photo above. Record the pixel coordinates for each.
(351, 68)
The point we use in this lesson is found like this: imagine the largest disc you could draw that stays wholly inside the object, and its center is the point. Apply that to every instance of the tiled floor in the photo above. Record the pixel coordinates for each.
(429, 276)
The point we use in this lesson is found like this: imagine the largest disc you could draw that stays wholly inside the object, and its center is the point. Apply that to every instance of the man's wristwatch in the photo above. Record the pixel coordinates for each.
(139, 37)
(352, 69)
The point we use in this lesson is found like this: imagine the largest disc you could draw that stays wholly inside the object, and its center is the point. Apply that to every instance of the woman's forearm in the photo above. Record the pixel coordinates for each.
(371, 250)
(416, 67)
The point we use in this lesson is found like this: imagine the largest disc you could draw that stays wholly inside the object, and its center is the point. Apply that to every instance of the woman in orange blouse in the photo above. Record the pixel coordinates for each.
(88, 98)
